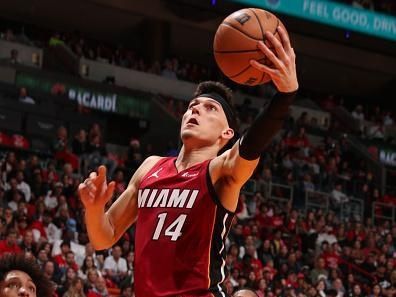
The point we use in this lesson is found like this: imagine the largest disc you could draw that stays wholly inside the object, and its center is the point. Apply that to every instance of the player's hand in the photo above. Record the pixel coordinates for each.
(94, 191)
(283, 73)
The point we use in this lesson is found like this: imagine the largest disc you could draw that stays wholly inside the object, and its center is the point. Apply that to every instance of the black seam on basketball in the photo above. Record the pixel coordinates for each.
(235, 28)
(258, 20)
(235, 52)
(243, 70)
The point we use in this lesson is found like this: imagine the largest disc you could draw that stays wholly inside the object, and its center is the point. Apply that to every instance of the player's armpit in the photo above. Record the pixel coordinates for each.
(232, 168)
(228, 173)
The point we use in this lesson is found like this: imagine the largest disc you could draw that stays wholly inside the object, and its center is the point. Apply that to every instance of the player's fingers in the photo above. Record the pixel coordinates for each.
(109, 191)
(93, 175)
(262, 67)
(90, 185)
(102, 171)
(85, 193)
(285, 40)
(280, 51)
(270, 55)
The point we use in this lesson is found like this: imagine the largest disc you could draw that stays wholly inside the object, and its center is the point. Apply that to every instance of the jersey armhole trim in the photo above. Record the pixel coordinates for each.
(213, 193)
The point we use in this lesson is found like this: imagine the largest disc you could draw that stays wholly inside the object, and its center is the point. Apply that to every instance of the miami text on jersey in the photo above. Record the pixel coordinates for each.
(175, 198)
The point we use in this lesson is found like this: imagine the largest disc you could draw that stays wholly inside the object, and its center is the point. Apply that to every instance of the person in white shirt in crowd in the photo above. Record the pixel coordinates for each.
(388, 119)
(338, 197)
(51, 200)
(376, 130)
(358, 115)
(23, 186)
(24, 98)
(52, 231)
(115, 266)
(325, 236)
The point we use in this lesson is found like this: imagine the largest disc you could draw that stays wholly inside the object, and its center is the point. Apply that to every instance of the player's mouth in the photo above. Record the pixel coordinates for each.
(192, 121)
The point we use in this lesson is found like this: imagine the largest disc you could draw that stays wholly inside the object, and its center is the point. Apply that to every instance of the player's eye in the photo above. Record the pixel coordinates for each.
(211, 107)
(13, 285)
(32, 289)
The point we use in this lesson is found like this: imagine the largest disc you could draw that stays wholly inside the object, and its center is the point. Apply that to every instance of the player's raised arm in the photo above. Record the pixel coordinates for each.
(238, 164)
(105, 228)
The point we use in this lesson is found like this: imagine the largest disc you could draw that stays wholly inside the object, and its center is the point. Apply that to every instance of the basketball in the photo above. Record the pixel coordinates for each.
(235, 44)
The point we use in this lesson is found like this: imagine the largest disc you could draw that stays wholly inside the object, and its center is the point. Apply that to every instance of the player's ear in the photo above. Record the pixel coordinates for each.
(228, 133)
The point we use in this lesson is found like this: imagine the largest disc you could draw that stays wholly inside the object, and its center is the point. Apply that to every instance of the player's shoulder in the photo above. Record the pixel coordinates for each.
(148, 163)
(144, 168)
(151, 161)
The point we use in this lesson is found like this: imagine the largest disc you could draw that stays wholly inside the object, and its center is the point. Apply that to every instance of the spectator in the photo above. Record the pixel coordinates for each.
(127, 292)
(14, 57)
(98, 155)
(376, 131)
(76, 288)
(61, 259)
(168, 70)
(87, 265)
(27, 244)
(319, 271)
(100, 289)
(53, 233)
(10, 245)
(20, 276)
(338, 287)
(115, 266)
(23, 186)
(24, 98)
(358, 115)
(51, 200)
(50, 273)
(338, 197)
(92, 276)
(80, 143)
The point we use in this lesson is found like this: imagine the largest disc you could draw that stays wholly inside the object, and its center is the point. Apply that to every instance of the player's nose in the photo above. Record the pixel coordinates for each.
(195, 109)
(23, 292)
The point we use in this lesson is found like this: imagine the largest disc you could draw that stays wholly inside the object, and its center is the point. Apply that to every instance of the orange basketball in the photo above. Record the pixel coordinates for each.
(235, 44)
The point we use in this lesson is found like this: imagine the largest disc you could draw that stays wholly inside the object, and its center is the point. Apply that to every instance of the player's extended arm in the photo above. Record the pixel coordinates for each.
(238, 164)
(105, 228)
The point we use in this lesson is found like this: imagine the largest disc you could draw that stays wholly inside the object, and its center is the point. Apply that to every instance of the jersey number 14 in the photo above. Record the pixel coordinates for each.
(173, 230)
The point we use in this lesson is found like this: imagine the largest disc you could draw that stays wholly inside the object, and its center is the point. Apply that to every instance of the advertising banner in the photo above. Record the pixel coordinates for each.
(333, 14)
(90, 97)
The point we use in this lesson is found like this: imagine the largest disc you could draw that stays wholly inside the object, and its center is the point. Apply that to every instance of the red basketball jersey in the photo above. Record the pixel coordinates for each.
(180, 233)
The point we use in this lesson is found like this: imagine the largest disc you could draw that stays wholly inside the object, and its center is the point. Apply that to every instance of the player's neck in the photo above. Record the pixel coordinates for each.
(190, 156)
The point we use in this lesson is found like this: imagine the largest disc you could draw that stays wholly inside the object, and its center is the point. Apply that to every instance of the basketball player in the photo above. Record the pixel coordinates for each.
(22, 277)
(183, 207)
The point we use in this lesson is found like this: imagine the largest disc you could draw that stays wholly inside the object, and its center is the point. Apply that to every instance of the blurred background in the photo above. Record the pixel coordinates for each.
(92, 82)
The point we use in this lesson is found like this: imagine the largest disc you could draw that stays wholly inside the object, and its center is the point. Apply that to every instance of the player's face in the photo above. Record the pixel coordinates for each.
(18, 283)
(205, 120)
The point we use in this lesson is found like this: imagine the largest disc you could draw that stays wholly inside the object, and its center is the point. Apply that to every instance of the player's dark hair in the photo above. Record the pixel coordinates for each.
(12, 262)
(214, 87)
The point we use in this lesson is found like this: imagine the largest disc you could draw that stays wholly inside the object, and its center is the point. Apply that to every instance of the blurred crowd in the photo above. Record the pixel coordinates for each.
(277, 246)
(276, 249)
